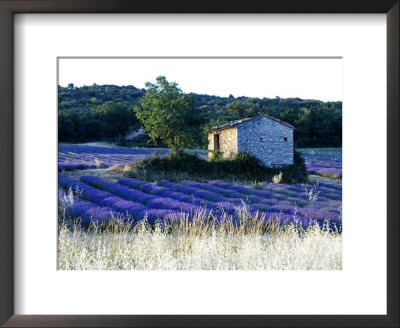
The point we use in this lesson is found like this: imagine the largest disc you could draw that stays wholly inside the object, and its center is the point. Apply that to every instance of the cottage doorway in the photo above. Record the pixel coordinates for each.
(216, 141)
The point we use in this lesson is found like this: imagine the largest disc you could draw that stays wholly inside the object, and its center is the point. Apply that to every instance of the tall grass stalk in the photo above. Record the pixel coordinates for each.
(199, 244)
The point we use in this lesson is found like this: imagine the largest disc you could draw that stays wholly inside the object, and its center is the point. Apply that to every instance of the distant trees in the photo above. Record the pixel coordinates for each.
(242, 108)
(95, 112)
(105, 121)
(169, 116)
(105, 111)
(317, 126)
(114, 117)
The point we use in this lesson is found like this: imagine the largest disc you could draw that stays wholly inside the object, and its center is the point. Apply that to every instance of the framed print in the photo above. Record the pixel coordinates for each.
(199, 164)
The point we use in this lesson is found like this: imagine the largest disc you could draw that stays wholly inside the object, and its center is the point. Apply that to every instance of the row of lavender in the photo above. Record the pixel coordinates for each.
(286, 201)
(325, 162)
(73, 157)
(137, 199)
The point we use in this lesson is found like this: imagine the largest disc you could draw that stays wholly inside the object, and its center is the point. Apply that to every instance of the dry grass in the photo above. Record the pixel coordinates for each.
(199, 244)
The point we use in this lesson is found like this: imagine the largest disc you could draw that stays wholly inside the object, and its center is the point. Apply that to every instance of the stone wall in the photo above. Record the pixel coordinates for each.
(227, 142)
(265, 139)
(210, 143)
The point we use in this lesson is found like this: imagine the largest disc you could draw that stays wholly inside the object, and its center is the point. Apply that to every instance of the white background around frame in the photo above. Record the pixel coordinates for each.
(360, 288)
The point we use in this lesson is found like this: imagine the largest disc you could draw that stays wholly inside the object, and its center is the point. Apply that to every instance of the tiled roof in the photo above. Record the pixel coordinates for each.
(238, 122)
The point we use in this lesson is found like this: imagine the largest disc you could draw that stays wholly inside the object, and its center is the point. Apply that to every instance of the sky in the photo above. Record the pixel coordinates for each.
(306, 78)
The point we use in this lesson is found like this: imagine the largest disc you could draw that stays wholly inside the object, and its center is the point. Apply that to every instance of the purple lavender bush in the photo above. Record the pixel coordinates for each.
(325, 163)
(81, 157)
(303, 204)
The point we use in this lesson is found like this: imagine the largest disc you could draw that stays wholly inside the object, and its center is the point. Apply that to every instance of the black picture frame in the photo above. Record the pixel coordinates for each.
(7, 10)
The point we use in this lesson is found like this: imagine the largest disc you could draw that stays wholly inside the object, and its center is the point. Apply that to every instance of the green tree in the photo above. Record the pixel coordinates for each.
(168, 115)
(66, 127)
(113, 117)
(242, 108)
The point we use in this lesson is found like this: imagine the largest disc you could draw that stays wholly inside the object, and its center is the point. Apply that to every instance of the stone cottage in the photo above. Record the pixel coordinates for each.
(266, 137)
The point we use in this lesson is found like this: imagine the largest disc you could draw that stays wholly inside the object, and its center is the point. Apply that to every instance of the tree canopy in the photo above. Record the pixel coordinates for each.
(169, 116)
(92, 113)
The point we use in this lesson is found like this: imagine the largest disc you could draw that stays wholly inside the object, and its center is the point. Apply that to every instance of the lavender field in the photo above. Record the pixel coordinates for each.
(191, 224)
(80, 157)
(96, 199)
(323, 161)
(319, 161)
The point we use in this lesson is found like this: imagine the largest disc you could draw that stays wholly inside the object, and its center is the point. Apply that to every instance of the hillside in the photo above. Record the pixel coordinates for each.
(100, 112)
